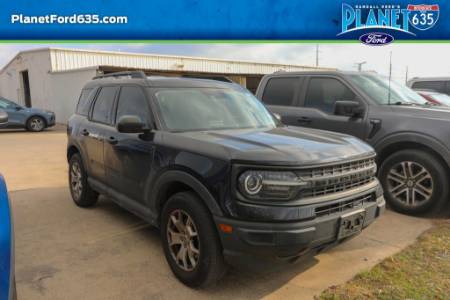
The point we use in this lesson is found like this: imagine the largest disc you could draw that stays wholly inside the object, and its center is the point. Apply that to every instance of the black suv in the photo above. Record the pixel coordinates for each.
(206, 162)
(411, 138)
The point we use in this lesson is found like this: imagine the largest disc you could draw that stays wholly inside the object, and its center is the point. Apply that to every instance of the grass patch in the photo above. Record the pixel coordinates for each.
(421, 271)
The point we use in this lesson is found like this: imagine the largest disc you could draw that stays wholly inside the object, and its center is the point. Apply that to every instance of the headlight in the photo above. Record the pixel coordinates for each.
(270, 185)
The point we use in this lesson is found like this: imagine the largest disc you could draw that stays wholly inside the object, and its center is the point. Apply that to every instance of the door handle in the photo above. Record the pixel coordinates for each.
(112, 140)
(85, 132)
(304, 120)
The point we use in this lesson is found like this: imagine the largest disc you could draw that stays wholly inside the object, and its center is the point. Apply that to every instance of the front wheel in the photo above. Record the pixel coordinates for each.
(190, 241)
(414, 181)
(36, 124)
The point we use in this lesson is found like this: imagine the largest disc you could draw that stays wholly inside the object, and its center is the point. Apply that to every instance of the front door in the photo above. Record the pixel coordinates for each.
(129, 156)
(317, 107)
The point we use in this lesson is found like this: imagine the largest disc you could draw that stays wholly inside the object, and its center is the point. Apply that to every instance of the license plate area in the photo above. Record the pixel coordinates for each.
(351, 223)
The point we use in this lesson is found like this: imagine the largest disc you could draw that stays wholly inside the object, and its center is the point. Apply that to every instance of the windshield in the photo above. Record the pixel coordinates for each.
(441, 98)
(5, 103)
(377, 88)
(191, 109)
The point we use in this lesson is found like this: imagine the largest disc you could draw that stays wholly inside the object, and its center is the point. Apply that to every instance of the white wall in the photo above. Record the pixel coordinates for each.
(38, 65)
(57, 92)
(65, 89)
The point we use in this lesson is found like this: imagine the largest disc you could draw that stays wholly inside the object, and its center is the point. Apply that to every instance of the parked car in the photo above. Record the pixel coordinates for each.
(7, 282)
(435, 97)
(3, 118)
(32, 119)
(437, 84)
(205, 162)
(410, 136)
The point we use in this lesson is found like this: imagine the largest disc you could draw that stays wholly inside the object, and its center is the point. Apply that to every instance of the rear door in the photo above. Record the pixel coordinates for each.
(93, 131)
(317, 103)
(129, 156)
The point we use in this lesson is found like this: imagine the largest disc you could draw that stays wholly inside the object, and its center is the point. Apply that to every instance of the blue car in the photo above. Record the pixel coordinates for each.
(32, 119)
(7, 282)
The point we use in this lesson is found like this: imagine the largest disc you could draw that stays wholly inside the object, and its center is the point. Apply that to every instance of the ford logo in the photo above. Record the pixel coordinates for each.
(376, 39)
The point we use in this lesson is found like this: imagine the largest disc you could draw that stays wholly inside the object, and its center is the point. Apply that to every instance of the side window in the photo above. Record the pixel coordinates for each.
(322, 93)
(103, 105)
(132, 101)
(83, 103)
(280, 91)
(438, 86)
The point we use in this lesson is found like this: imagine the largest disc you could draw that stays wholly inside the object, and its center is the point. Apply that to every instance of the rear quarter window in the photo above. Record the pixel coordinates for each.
(280, 91)
(84, 102)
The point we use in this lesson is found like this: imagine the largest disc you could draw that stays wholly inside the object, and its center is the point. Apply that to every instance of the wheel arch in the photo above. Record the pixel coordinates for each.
(405, 141)
(175, 181)
(36, 115)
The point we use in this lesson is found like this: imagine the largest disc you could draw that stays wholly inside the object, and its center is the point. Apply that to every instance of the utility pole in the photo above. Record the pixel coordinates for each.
(406, 75)
(360, 64)
(317, 55)
(390, 77)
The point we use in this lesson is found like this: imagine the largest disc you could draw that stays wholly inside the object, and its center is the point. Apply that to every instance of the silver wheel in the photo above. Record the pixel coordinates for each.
(410, 183)
(37, 124)
(76, 182)
(183, 240)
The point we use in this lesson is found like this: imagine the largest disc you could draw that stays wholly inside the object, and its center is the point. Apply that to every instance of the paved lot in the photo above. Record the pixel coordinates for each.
(64, 252)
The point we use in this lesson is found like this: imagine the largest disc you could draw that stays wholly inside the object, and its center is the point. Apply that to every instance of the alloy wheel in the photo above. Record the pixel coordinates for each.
(410, 183)
(37, 124)
(183, 240)
(76, 183)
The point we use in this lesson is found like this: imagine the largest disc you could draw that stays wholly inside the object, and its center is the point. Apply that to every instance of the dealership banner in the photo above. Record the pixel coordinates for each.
(372, 22)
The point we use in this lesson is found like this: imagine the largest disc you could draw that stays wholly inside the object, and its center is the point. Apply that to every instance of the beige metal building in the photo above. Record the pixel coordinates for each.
(51, 78)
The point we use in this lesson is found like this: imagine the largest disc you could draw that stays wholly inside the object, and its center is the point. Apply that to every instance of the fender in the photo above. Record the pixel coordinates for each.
(415, 137)
(189, 180)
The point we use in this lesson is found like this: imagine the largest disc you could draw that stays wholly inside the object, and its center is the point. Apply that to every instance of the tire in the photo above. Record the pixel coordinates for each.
(210, 265)
(36, 124)
(82, 194)
(414, 181)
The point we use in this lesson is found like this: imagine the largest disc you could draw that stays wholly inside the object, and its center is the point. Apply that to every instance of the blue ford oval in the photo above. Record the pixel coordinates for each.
(376, 39)
(7, 283)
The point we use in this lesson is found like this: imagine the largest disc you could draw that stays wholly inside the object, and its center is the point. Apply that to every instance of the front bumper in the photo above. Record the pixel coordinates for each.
(51, 120)
(288, 239)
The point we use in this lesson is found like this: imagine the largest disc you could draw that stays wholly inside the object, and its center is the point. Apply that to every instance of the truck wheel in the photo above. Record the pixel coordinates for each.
(414, 181)
(190, 241)
(35, 124)
(82, 194)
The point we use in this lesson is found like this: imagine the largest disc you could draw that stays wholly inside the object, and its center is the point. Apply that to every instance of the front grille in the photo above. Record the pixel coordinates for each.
(343, 205)
(337, 178)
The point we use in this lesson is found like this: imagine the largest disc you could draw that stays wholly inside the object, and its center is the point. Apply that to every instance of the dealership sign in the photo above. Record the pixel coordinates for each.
(388, 17)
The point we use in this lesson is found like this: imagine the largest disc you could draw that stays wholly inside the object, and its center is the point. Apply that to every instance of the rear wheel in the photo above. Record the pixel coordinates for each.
(190, 241)
(82, 194)
(36, 124)
(414, 181)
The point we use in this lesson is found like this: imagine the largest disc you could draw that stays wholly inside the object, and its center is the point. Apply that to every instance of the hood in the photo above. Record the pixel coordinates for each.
(425, 112)
(282, 145)
(36, 110)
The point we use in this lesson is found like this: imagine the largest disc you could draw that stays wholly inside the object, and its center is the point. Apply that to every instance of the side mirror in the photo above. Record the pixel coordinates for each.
(348, 108)
(3, 117)
(18, 108)
(131, 124)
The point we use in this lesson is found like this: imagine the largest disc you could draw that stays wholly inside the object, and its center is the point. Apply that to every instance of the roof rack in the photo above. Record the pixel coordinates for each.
(131, 74)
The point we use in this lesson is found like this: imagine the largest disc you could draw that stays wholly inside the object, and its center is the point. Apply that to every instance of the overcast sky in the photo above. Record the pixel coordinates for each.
(421, 59)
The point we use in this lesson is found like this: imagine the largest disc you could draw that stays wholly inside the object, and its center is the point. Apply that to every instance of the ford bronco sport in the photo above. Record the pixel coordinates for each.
(206, 162)
(412, 138)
